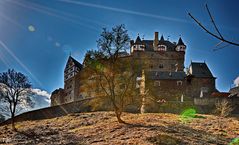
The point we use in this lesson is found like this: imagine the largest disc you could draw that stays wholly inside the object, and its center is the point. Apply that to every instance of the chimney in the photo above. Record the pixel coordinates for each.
(156, 39)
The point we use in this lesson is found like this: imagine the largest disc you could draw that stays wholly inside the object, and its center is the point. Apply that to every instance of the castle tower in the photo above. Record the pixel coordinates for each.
(180, 45)
(71, 79)
(137, 45)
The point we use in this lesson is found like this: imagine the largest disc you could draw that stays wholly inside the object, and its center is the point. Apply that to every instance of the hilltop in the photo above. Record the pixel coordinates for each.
(103, 128)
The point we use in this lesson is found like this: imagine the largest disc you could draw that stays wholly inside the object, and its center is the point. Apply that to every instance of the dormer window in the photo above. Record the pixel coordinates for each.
(138, 47)
(162, 48)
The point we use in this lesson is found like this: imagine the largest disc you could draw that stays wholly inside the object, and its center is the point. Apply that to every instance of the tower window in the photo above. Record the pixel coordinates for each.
(162, 48)
(172, 66)
(204, 89)
(138, 47)
(161, 66)
(180, 48)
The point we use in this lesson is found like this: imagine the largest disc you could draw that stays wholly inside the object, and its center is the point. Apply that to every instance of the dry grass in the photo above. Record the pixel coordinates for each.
(102, 128)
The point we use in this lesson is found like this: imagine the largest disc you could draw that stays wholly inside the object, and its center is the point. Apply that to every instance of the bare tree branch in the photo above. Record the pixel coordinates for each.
(220, 37)
(213, 22)
(215, 49)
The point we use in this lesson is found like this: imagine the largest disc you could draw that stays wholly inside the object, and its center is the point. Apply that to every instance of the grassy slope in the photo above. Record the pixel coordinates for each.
(102, 128)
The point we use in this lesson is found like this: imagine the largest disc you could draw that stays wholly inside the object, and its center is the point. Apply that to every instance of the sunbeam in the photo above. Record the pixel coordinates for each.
(53, 14)
(67, 14)
(5, 62)
(4, 46)
(11, 21)
(125, 11)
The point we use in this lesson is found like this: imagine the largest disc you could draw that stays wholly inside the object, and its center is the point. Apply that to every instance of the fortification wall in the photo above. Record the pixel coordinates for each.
(202, 105)
(207, 105)
(54, 111)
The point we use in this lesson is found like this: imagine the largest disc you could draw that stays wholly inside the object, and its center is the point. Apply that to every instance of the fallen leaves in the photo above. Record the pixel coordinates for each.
(103, 128)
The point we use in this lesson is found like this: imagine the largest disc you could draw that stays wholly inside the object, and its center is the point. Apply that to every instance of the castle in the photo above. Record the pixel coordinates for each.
(163, 63)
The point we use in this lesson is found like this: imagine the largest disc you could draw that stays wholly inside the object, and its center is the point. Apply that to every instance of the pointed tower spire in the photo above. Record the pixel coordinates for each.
(161, 39)
(180, 41)
(138, 40)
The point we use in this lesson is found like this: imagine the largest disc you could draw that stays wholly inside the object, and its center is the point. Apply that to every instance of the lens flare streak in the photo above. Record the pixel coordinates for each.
(66, 14)
(19, 61)
(125, 11)
(53, 14)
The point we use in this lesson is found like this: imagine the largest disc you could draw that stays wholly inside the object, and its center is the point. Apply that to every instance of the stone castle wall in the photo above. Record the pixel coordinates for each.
(201, 105)
(54, 111)
(151, 61)
(208, 104)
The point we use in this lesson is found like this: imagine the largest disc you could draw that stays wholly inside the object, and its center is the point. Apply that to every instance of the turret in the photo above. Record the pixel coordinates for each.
(161, 45)
(137, 45)
(72, 68)
(180, 45)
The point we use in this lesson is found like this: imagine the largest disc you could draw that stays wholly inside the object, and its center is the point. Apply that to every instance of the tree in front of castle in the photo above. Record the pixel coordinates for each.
(114, 73)
(14, 90)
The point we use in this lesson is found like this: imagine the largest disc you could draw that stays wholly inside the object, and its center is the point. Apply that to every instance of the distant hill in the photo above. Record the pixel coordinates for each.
(103, 128)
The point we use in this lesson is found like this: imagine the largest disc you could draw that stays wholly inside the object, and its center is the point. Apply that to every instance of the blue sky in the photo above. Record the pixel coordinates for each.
(36, 36)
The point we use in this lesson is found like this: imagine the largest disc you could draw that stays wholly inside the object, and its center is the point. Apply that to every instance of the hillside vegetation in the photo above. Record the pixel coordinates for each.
(103, 128)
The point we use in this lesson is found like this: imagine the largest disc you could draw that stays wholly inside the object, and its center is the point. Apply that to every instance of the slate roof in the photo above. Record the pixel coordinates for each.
(138, 40)
(159, 75)
(234, 91)
(200, 70)
(149, 43)
(79, 65)
(180, 41)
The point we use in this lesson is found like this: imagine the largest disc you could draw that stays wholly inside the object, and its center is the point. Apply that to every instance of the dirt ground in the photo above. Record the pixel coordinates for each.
(143, 129)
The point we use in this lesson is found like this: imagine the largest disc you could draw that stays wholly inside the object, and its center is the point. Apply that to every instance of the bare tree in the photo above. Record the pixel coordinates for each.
(223, 108)
(114, 72)
(216, 35)
(14, 88)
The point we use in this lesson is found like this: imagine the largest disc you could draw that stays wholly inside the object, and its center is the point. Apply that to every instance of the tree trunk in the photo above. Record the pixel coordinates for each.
(13, 122)
(118, 115)
(13, 116)
(142, 109)
(142, 92)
